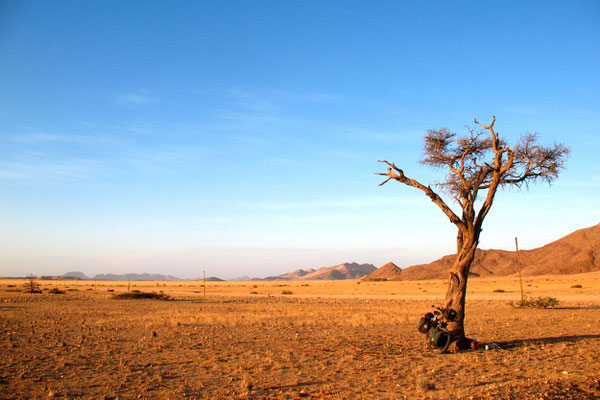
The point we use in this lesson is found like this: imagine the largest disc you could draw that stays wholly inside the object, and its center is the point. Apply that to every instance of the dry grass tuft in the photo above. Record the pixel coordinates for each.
(425, 384)
(536, 302)
(142, 295)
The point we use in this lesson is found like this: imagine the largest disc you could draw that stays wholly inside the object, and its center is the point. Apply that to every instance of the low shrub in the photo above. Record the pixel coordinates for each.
(287, 292)
(576, 287)
(499, 291)
(425, 384)
(56, 291)
(32, 286)
(142, 295)
(536, 302)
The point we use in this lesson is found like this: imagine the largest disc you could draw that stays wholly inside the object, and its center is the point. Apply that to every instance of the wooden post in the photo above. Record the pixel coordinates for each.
(204, 277)
(519, 267)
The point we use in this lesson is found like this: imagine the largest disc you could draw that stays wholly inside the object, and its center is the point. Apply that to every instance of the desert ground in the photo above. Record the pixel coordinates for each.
(294, 340)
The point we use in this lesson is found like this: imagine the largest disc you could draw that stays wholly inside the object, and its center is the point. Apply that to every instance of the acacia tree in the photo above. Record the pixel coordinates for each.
(478, 164)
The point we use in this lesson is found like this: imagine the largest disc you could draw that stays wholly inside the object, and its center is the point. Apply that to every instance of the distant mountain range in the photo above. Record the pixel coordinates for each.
(337, 272)
(123, 277)
(575, 253)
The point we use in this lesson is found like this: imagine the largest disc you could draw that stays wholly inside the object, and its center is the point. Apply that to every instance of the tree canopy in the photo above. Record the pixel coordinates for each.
(478, 164)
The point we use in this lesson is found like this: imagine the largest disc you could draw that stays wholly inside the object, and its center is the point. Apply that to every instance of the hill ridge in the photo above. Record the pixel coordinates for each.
(576, 252)
(348, 270)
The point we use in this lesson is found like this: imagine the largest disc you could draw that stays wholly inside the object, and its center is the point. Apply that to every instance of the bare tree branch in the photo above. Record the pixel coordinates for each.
(399, 176)
(478, 164)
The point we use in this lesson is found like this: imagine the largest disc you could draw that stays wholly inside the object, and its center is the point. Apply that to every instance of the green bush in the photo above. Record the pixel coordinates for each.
(142, 295)
(536, 302)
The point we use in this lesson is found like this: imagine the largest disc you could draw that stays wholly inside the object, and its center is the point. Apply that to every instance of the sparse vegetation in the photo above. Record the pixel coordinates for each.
(136, 294)
(363, 346)
(425, 384)
(499, 291)
(287, 292)
(56, 291)
(32, 286)
(536, 302)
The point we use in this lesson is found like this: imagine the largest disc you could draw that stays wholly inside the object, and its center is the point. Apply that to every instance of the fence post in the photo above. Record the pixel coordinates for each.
(519, 267)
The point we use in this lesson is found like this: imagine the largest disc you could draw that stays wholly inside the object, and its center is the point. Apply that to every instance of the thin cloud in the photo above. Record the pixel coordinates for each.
(135, 99)
(347, 203)
(377, 136)
(42, 137)
(77, 168)
(309, 97)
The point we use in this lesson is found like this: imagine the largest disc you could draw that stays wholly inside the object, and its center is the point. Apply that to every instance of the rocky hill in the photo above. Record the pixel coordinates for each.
(135, 277)
(75, 274)
(575, 253)
(337, 272)
(211, 279)
(387, 272)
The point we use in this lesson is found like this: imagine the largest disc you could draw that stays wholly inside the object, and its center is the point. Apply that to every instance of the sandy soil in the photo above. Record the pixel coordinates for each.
(334, 340)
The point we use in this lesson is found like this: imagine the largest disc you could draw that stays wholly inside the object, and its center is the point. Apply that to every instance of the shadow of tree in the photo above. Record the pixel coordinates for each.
(546, 340)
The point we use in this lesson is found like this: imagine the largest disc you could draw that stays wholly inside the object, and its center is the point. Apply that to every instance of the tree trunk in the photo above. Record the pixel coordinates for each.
(459, 274)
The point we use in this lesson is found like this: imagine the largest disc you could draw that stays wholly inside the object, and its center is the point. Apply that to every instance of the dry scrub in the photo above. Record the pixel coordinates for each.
(83, 344)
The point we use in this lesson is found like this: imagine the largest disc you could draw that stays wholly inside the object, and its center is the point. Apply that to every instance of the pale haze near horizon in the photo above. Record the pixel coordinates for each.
(242, 138)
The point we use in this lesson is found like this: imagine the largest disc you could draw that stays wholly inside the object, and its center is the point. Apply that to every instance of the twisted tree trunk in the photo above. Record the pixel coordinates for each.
(467, 241)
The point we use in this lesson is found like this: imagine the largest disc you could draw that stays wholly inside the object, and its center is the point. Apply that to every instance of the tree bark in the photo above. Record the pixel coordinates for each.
(467, 242)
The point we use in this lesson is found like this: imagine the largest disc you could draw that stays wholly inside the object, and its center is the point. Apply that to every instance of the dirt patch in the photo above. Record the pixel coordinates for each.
(85, 345)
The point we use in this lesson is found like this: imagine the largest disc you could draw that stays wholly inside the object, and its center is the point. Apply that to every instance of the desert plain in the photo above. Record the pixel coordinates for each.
(293, 340)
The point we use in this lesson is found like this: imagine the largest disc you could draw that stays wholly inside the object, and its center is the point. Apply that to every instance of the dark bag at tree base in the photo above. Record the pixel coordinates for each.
(438, 337)
(425, 323)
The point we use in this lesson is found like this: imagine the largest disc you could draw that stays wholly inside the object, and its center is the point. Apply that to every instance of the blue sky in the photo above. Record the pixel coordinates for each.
(242, 137)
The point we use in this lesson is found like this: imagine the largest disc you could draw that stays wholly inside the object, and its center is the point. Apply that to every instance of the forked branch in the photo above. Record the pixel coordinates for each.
(397, 174)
